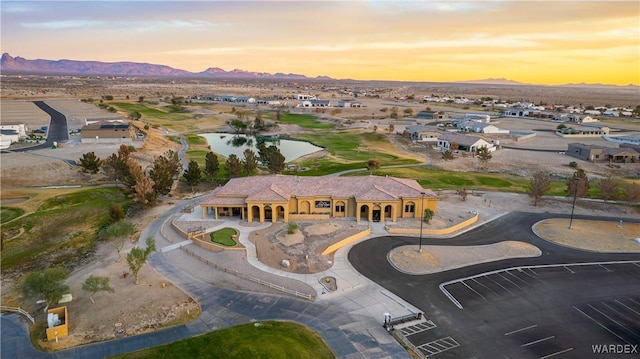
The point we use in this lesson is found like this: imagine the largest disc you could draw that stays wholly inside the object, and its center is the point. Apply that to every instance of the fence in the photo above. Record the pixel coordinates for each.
(4, 308)
(308, 297)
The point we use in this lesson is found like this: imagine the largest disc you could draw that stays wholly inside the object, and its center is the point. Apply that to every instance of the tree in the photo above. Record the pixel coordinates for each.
(211, 164)
(233, 166)
(454, 146)
(447, 155)
(408, 111)
(94, 284)
(117, 164)
(463, 194)
(237, 125)
(539, 184)
(428, 215)
(141, 99)
(391, 128)
(394, 112)
(608, 186)
(276, 161)
(116, 212)
(632, 192)
(193, 174)
(142, 186)
(116, 234)
(135, 115)
(375, 128)
(578, 184)
(484, 155)
(138, 256)
(165, 168)
(89, 162)
(47, 285)
(373, 164)
(250, 162)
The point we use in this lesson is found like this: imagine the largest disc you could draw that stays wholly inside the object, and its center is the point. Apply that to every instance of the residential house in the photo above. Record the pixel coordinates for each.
(7, 137)
(597, 153)
(463, 142)
(315, 103)
(244, 99)
(477, 127)
(587, 130)
(302, 97)
(285, 198)
(108, 132)
(421, 133)
(515, 112)
(349, 103)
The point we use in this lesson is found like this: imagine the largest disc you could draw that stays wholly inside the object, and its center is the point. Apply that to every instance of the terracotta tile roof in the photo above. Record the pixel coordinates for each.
(280, 187)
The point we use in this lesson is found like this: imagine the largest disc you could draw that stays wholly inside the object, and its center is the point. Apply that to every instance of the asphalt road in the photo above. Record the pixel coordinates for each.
(558, 312)
(58, 130)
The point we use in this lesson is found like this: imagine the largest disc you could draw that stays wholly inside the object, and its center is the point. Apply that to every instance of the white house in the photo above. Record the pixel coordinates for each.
(464, 142)
(303, 97)
(315, 103)
(244, 99)
(515, 112)
(20, 128)
(7, 137)
(480, 117)
(478, 127)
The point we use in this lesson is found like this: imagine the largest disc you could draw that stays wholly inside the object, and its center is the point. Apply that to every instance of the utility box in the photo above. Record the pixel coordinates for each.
(57, 323)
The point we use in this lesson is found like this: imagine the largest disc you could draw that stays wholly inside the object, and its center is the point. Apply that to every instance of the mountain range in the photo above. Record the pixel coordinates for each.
(9, 64)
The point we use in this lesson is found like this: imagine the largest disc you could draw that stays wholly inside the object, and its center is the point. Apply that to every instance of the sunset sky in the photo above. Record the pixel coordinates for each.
(540, 42)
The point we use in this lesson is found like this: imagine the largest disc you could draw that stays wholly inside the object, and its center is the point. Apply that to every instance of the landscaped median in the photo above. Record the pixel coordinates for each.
(432, 231)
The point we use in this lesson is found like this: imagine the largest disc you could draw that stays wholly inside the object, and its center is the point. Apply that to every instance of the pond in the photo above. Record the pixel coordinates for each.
(226, 144)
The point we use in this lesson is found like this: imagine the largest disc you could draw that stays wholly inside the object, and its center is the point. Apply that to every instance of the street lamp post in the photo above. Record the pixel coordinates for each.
(421, 220)
(575, 197)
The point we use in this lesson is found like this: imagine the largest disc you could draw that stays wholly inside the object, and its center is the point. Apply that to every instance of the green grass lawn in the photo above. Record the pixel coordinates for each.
(266, 340)
(437, 179)
(151, 113)
(62, 228)
(9, 213)
(224, 236)
(308, 122)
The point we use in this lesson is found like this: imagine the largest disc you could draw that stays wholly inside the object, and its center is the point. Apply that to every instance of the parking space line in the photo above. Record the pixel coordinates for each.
(597, 322)
(507, 279)
(569, 269)
(521, 329)
(473, 290)
(556, 353)
(433, 348)
(418, 328)
(607, 269)
(491, 290)
(626, 306)
(538, 341)
(633, 300)
(613, 320)
(501, 286)
(518, 278)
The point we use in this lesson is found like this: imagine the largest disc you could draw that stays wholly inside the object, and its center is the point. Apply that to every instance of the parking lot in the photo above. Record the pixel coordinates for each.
(554, 311)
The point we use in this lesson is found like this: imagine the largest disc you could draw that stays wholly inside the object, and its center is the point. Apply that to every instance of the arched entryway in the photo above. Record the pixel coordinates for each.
(388, 212)
(255, 213)
(305, 207)
(364, 212)
(340, 209)
(279, 213)
(268, 213)
(376, 214)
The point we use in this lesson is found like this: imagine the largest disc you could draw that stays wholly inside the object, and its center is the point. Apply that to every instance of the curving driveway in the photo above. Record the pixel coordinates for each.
(57, 132)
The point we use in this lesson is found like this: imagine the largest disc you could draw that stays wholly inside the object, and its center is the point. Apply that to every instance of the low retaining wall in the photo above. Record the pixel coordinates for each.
(334, 247)
(201, 241)
(433, 232)
(302, 217)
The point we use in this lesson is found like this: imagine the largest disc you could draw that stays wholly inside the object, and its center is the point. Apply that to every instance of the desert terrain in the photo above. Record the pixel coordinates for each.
(53, 167)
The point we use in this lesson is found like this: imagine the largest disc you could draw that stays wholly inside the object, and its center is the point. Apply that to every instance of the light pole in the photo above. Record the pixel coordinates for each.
(421, 220)
(575, 197)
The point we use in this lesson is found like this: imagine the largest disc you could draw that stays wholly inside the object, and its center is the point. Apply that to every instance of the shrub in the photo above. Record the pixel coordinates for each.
(573, 164)
(292, 227)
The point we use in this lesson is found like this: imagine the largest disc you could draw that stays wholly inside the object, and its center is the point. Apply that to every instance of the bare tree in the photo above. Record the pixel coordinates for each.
(539, 184)
(143, 187)
(447, 155)
(578, 184)
(632, 192)
(117, 234)
(608, 186)
(462, 193)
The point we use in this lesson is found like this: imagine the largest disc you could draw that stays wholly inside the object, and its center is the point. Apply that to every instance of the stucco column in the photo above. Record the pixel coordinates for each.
(357, 213)
(249, 213)
(261, 207)
(203, 209)
(370, 214)
(382, 213)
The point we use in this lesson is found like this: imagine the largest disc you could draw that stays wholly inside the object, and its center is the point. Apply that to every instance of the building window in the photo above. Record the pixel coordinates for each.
(409, 208)
(340, 209)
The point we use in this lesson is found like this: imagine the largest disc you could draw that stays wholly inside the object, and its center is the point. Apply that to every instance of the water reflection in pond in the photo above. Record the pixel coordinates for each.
(226, 144)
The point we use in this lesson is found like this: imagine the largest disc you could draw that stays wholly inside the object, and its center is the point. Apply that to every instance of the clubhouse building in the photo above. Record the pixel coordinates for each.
(284, 198)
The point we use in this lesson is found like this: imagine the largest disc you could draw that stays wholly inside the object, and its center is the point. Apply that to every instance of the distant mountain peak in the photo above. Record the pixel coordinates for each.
(494, 81)
(9, 64)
